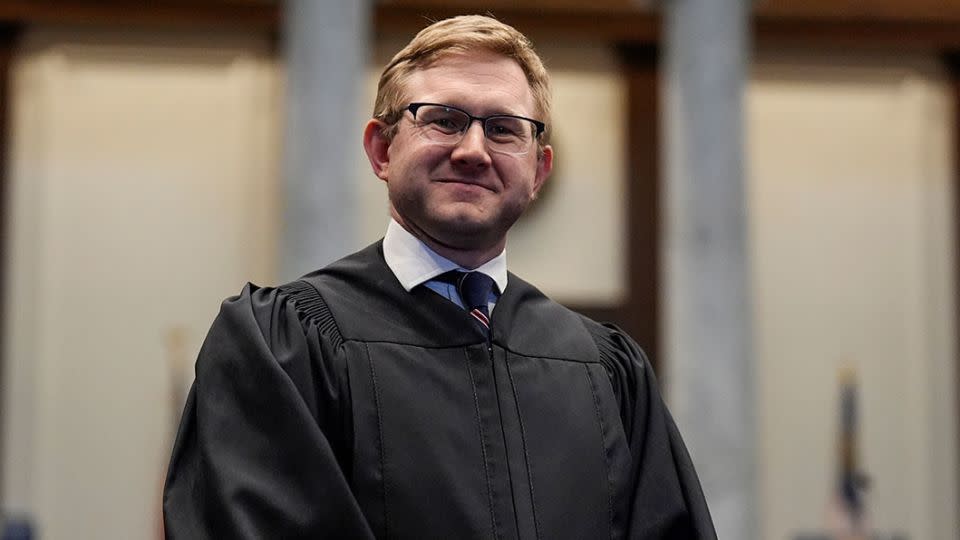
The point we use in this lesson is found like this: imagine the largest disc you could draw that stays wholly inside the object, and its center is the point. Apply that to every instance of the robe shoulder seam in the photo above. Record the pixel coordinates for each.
(603, 334)
(312, 308)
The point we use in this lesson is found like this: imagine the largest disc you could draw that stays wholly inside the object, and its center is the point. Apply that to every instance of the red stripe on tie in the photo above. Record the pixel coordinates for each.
(477, 314)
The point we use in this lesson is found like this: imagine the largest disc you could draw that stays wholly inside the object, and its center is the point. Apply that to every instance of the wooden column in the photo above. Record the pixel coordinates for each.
(952, 61)
(643, 196)
(8, 38)
(638, 314)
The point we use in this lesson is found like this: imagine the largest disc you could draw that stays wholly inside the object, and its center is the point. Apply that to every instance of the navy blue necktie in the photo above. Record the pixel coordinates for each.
(474, 289)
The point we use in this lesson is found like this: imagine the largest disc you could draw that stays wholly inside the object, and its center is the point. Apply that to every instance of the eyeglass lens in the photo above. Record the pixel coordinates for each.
(447, 125)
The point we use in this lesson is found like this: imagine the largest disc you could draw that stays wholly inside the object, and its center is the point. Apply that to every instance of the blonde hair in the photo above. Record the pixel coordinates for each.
(459, 35)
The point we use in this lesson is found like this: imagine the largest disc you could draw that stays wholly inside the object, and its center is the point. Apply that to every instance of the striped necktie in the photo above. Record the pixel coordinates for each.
(474, 289)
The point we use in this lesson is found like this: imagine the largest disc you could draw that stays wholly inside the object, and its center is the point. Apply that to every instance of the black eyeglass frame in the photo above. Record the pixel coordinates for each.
(413, 107)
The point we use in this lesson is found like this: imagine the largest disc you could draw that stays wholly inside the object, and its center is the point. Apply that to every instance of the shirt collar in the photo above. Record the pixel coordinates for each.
(414, 263)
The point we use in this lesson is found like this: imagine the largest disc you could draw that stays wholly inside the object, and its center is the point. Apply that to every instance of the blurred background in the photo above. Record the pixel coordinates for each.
(155, 155)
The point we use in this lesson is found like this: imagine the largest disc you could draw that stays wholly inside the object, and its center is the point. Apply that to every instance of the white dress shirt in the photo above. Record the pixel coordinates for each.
(416, 264)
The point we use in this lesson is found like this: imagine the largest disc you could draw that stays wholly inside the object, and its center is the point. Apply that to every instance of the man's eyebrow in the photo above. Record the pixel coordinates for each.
(499, 112)
(493, 111)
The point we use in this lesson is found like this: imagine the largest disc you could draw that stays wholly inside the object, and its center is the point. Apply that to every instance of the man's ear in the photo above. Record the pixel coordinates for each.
(377, 146)
(544, 167)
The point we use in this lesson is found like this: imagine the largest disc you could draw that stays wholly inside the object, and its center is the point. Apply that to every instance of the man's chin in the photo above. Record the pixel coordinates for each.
(465, 232)
(463, 225)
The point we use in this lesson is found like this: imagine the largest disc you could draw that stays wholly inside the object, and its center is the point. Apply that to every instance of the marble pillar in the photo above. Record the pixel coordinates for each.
(326, 57)
(710, 381)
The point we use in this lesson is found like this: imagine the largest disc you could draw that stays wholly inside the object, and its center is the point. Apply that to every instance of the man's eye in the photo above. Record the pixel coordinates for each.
(445, 123)
(504, 129)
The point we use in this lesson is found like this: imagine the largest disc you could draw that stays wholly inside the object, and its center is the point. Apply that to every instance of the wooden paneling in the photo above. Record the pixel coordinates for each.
(610, 26)
(643, 27)
(639, 314)
(890, 24)
(643, 199)
(847, 10)
(891, 10)
(543, 6)
(888, 35)
(952, 61)
(8, 36)
(179, 13)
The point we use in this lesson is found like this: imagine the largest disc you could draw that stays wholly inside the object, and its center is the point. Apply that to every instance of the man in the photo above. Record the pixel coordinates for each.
(416, 389)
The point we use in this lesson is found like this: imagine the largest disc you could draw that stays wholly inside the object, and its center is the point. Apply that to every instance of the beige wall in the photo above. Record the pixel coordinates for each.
(851, 225)
(143, 175)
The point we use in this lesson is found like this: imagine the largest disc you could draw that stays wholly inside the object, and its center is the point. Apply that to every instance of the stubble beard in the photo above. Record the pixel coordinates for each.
(453, 230)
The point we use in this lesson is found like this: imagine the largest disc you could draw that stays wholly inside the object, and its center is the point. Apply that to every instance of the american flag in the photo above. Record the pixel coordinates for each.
(847, 517)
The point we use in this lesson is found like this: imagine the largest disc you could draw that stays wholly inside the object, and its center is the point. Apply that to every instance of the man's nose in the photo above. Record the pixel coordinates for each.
(472, 148)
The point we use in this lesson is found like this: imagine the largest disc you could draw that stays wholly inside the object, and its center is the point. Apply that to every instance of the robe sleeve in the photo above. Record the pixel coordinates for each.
(254, 455)
(667, 500)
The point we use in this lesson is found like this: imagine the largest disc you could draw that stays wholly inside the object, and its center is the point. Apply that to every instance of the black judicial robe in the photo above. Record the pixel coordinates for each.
(342, 406)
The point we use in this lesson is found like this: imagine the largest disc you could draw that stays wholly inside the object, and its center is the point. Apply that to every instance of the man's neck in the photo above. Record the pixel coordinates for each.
(466, 258)
(414, 263)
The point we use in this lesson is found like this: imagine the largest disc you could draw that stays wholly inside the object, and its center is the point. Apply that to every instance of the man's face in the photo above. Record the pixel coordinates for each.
(463, 196)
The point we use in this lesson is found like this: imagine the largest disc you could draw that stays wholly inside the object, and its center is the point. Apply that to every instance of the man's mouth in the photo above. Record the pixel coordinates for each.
(465, 182)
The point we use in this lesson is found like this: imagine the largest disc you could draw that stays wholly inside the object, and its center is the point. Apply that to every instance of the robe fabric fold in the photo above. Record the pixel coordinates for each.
(342, 406)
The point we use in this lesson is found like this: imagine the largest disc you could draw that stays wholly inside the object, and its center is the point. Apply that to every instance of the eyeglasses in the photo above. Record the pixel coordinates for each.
(505, 133)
